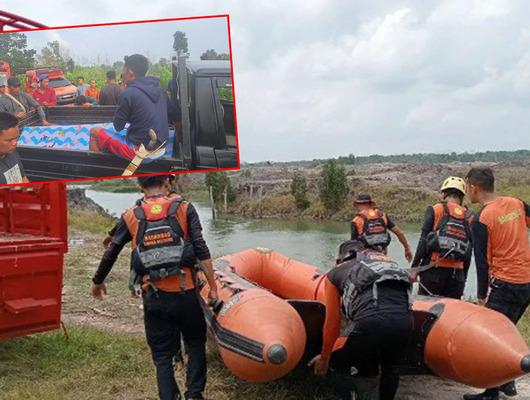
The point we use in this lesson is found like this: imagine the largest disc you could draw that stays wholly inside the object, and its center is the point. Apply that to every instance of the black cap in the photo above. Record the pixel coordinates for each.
(13, 81)
(363, 199)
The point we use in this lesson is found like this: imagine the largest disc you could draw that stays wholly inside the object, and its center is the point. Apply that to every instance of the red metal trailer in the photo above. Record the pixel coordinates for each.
(33, 240)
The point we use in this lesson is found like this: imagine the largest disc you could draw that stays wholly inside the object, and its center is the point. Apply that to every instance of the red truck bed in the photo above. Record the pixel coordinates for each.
(33, 241)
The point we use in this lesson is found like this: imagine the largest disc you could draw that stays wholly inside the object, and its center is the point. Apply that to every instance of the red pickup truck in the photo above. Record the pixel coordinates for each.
(33, 241)
(64, 90)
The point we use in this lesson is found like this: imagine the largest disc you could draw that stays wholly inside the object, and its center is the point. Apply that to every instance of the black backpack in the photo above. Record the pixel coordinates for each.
(452, 237)
(161, 249)
(375, 233)
(370, 271)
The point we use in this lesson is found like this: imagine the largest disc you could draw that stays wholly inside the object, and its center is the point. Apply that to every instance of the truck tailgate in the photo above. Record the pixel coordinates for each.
(31, 276)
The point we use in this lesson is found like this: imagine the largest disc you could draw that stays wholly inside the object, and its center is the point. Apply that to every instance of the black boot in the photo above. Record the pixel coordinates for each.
(509, 389)
(489, 394)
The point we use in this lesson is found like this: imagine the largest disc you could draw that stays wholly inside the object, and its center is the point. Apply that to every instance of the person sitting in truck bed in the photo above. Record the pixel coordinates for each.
(44, 94)
(144, 105)
(11, 170)
(19, 103)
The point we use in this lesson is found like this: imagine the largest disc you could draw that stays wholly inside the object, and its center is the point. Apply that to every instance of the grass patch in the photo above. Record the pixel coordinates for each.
(90, 364)
(89, 221)
(524, 326)
(94, 364)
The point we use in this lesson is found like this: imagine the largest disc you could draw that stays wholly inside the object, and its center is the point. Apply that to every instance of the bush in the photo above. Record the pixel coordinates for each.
(333, 186)
(220, 182)
(299, 191)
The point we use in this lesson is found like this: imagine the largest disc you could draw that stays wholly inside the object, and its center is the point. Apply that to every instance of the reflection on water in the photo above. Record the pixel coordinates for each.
(313, 242)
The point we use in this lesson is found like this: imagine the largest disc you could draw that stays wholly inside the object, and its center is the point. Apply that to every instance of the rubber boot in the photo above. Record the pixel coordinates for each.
(489, 394)
(367, 388)
(509, 389)
(344, 386)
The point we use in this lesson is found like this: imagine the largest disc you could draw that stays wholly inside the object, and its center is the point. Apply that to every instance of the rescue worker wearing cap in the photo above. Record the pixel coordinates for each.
(166, 238)
(445, 246)
(372, 293)
(502, 256)
(371, 226)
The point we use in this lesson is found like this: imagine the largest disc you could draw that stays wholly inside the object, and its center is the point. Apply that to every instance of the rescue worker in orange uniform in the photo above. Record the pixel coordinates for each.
(502, 256)
(371, 226)
(371, 292)
(166, 240)
(445, 243)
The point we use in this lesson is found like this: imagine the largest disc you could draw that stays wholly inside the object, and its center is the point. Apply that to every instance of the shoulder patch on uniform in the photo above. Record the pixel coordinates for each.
(156, 209)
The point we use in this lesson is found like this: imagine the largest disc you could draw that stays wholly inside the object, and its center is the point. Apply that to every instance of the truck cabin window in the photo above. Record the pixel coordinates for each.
(215, 112)
(226, 100)
(55, 83)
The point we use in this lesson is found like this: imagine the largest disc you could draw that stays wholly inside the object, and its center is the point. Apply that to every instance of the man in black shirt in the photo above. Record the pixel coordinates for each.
(109, 94)
(11, 170)
(373, 294)
(157, 228)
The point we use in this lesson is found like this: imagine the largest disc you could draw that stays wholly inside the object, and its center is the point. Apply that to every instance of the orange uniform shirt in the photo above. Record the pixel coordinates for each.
(502, 249)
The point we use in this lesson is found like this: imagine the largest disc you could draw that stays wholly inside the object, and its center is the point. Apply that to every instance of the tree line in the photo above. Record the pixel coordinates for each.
(14, 49)
(332, 185)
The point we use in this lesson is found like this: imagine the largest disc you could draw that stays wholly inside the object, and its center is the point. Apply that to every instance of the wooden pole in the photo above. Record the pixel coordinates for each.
(212, 204)
(225, 194)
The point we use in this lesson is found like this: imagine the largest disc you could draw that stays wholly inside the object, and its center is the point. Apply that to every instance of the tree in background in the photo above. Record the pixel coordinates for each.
(70, 65)
(118, 67)
(211, 54)
(333, 185)
(180, 43)
(53, 55)
(299, 191)
(219, 181)
(13, 50)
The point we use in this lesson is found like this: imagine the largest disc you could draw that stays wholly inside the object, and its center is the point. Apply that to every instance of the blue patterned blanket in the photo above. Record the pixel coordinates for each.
(73, 137)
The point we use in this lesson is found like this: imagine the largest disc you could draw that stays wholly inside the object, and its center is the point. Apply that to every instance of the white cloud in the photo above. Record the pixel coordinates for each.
(321, 78)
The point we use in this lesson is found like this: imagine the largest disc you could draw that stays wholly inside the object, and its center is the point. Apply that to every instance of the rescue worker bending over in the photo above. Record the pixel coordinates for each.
(445, 243)
(166, 240)
(372, 292)
(502, 256)
(371, 226)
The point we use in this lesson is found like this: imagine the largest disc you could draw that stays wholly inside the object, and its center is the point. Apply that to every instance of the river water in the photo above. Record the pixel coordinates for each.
(313, 242)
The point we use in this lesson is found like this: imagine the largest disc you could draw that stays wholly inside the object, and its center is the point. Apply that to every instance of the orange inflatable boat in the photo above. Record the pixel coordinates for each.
(453, 339)
(260, 337)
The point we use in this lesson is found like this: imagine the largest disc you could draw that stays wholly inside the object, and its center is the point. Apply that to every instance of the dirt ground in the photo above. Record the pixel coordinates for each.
(119, 312)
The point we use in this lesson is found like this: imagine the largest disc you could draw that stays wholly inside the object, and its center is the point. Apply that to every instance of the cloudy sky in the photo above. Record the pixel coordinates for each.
(322, 78)
(153, 39)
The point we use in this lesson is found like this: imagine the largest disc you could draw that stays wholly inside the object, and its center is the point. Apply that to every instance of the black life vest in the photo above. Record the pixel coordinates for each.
(367, 273)
(375, 229)
(451, 239)
(159, 245)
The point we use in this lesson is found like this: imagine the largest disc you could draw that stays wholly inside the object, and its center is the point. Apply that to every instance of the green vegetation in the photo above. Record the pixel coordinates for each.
(299, 191)
(211, 54)
(180, 43)
(89, 221)
(427, 158)
(220, 182)
(333, 186)
(13, 49)
(93, 364)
